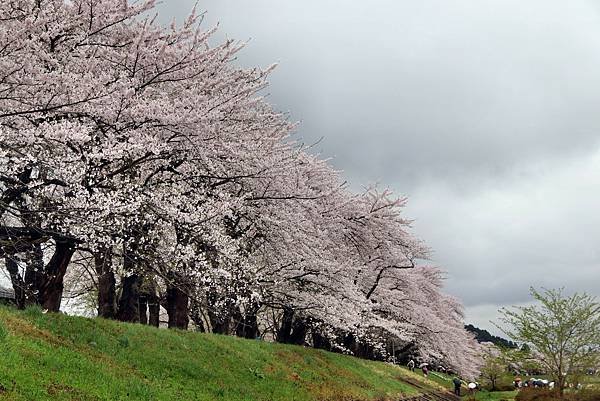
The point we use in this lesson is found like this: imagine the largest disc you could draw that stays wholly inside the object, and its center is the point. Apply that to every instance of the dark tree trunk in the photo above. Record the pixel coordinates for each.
(128, 305)
(350, 343)
(368, 352)
(17, 281)
(320, 342)
(219, 322)
(293, 329)
(360, 349)
(196, 317)
(107, 297)
(284, 334)
(247, 325)
(299, 331)
(51, 291)
(153, 311)
(129, 301)
(178, 303)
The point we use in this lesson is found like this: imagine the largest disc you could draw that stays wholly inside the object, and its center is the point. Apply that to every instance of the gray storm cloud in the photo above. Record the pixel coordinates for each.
(484, 112)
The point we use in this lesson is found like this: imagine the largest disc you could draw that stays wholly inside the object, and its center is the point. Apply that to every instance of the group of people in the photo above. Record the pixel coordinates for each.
(424, 367)
(533, 382)
(472, 386)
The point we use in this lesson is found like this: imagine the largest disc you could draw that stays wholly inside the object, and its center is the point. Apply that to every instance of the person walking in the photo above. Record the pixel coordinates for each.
(457, 384)
(411, 365)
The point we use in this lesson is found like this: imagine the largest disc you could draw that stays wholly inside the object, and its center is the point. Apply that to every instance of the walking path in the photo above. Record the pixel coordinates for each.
(428, 394)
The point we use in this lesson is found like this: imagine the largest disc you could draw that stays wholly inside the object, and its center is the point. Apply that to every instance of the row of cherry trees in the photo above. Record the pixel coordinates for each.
(138, 160)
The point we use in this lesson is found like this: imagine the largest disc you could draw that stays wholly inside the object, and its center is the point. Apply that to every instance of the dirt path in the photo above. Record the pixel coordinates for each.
(429, 394)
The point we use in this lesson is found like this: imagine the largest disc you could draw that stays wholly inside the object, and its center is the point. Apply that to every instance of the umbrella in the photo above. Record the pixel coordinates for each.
(423, 365)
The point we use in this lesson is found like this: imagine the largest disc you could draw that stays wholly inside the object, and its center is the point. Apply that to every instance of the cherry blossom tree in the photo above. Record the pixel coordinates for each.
(101, 108)
(138, 159)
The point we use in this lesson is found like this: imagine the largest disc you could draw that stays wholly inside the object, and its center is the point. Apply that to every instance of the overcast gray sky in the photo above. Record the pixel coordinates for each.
(486, 113)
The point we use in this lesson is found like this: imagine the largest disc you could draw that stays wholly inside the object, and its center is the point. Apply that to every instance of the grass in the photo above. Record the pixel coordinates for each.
(484, 395)
(58, 357)
(591, 382)
(442, 379)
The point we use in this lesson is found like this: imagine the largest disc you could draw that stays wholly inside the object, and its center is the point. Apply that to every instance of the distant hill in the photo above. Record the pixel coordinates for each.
(483, 336)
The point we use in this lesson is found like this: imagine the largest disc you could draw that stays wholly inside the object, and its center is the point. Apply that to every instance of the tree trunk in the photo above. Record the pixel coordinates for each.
(219, 322)
(178, 303)
(154, 311)
(299, 331)
(350, 343)
(107, 297)
(293, 329)
(284, 333)
(196, 316)
(17, 281)
(247, 326)
(51, 291)
(42, 285)
(129, 300)
(561, 385)
(320, 342)
(128, 306)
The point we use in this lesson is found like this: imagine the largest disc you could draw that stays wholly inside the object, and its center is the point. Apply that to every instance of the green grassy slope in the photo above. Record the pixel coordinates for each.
(57, 357)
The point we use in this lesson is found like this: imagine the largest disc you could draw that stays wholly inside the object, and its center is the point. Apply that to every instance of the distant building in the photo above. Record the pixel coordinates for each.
(7, 295)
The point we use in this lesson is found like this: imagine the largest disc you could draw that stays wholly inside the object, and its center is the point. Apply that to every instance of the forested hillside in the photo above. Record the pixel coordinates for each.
(484, 336)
